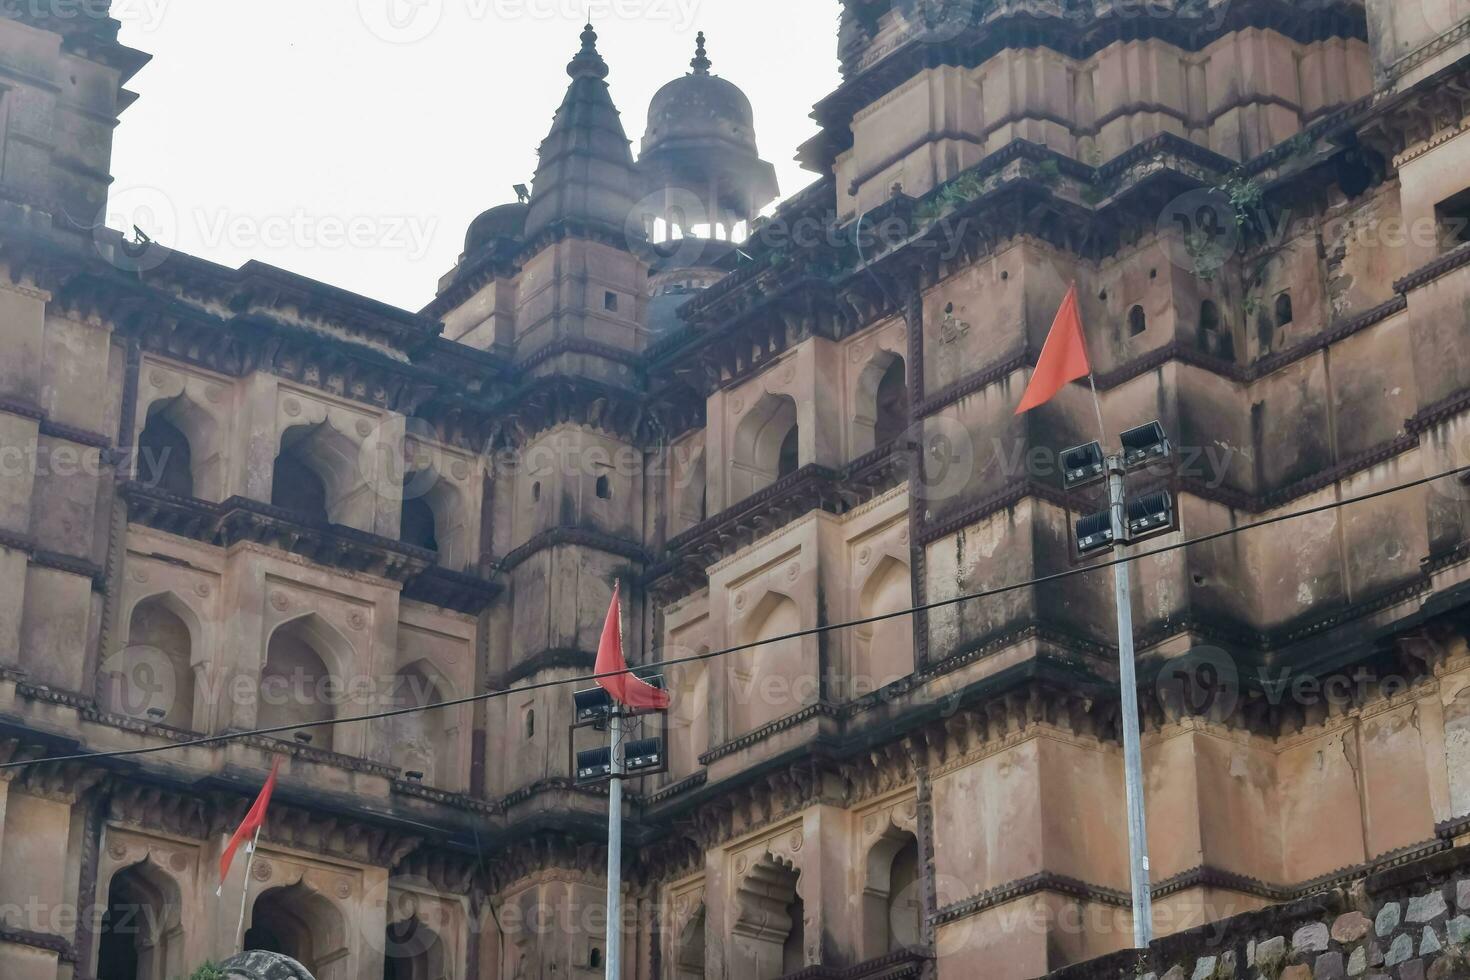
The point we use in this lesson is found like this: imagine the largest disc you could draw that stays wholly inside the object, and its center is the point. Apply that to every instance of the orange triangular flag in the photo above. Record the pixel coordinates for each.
(253, 821)
(625, 688)
(1063, 356)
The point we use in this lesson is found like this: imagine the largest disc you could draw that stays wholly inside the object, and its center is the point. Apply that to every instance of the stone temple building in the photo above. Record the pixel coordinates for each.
(234, 499)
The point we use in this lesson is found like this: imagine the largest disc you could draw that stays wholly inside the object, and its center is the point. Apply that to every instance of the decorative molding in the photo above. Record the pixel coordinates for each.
(1043, 881)
(240, 521)
(821, 710)
(573, 536)
(47, 942)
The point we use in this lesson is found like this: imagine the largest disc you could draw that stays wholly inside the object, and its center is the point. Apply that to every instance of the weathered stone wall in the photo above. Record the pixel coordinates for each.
(1409, 923)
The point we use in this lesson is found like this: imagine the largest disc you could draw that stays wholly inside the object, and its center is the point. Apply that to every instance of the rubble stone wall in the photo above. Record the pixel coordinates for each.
(1410, 922)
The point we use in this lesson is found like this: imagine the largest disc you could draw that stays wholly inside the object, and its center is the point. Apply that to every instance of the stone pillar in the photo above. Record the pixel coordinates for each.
(251, 472)
(36, 864)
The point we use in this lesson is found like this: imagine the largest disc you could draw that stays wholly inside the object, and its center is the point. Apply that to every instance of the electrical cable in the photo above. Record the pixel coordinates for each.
(739, 648)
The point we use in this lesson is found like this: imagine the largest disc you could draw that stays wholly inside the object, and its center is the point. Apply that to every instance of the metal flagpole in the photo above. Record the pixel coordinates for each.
(614, 958)
(1143, 925)
(245, 892)
(1143, 928)
(615, 852)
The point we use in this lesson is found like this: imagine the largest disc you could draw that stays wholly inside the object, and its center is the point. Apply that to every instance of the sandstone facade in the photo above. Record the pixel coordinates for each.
(234, 499)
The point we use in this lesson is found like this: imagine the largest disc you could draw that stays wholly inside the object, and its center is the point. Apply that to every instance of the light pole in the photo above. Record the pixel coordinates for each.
(1154, 514)
(613, 763)
(1132, 750)
(614, 958)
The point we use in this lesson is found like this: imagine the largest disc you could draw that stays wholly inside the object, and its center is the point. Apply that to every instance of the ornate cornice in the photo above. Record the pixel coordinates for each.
(45, 941)
(83, 567)
(900, 965)
(1208, 876)
(793, 720)
(581, 537)
(447, 589)
(1456, 258)
(256, 286)
(561, 658)
(240, 520)
(1043, 881)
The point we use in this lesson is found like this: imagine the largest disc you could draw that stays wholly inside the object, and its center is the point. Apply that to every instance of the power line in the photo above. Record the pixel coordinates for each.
(739, 648)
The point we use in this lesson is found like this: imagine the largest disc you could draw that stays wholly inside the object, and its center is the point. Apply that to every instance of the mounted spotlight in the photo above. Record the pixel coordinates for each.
(1144, 445)
(157, 714)
(646, 753)
(523, 193)
(594, 765)
(1082, 465)
(1149, 515)
(303, 738)
(593, 704)
(1095, 533)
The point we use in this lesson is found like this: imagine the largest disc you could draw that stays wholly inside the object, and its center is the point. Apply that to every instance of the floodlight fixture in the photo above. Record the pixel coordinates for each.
(645, 753)
(1082, 465)
(1095, 533)
(594, 765)
(592, 704)
(1150, 515)
(1144, 445)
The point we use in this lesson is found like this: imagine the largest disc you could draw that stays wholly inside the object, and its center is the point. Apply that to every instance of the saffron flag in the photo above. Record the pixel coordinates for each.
(250, 826)
(1063, 356)
(627, 690)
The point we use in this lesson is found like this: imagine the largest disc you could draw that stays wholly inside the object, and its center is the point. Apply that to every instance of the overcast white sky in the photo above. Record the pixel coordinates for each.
(353, 140)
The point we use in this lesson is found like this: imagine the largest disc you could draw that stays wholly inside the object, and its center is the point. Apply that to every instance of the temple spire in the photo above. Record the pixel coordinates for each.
(585, 176)
(701, 62)
(588, 63)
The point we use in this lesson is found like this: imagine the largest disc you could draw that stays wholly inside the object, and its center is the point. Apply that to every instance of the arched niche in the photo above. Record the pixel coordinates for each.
(296, 921)
(413, 951)
(302, 678)
(318, 475)
(180, 449)
(881, 403)
(766, 447)
(425, 741)
(689, 947)
(435, 514)
(141, 935)
(689, 712)
(690, 493)
(155, 670)
(892, 904)
(767, 682)
(883, 652)
(769, 938)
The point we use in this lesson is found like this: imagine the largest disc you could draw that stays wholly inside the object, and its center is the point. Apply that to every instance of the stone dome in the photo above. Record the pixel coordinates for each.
(700, 109)
(701, 140)
(505, 221)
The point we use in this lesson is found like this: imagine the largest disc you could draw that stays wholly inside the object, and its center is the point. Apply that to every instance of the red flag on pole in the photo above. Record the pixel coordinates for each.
(251, 825)
(626, 689)
(1063, 356)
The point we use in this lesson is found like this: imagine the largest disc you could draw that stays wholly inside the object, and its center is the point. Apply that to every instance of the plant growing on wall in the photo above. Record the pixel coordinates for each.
(208, 971)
